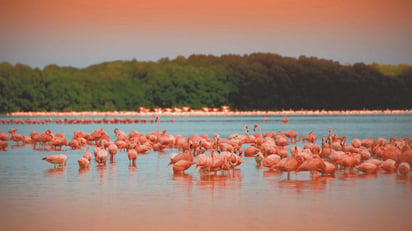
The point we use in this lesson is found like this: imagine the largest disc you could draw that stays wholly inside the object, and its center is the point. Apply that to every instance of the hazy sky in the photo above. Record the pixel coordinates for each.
(84, 32)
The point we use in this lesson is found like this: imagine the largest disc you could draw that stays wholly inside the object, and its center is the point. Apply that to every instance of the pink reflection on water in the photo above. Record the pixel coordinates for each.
(132, 170)
(404, 180)
(317, 184)
(271, 173)
(223, 180)
(101, 172)
(55, 171)
(84, 171)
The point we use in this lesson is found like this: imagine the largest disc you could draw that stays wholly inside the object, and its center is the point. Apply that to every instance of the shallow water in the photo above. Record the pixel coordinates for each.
(35, 196)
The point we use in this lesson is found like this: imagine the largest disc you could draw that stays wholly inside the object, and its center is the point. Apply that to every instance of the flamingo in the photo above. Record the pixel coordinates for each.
(310, 137)
(356, 143)
(182, 165)
(390, 151)
(270, 161)
(406, 155)
(289, 164)
(285, 120)
(101, 157)
(349, 161)
(368, 168)
(259, 138)
(313, 164)
(83, 162)
(329, 169)
(132, 155)
(292, 135)
(3, 145)
(259, 159)
(57, 160)
(389, 165)
(43, 138)
(58, 140)
(112, 151)
(251, 151)
(4, 136)
(87, 154)
(281, 140)
(174, 158)
(403, 169)
(15, 136)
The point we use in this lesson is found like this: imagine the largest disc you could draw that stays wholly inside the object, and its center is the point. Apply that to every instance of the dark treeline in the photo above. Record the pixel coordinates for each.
(257, 81)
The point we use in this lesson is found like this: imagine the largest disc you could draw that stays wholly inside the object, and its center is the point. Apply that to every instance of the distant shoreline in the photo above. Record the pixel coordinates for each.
(194, 112)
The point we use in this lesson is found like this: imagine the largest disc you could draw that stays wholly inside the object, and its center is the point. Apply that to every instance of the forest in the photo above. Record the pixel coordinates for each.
(257, 81)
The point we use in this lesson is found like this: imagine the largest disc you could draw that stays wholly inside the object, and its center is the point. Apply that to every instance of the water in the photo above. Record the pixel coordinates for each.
(34, 196)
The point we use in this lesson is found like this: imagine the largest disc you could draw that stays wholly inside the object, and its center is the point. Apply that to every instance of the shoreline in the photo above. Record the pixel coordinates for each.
(193, 112)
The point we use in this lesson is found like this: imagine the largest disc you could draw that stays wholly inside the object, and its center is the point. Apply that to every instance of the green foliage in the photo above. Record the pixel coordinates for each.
(261, 81)
(391, 70)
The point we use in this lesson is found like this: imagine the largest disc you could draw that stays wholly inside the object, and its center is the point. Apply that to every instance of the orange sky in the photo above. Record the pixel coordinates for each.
(70, 30)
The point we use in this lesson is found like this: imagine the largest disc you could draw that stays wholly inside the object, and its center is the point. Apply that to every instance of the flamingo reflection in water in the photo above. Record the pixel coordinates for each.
(184, 182)
(316, 184)
(228, 178)
(83, 171)
(55, 171)
(102, 171)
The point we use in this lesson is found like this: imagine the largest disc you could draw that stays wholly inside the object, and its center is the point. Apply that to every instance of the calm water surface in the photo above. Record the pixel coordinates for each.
(34, 196)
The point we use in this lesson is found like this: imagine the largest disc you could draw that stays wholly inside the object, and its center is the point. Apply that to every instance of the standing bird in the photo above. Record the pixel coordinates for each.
(132, 155)
(389, 165)
(101, 157)
(182, 165)
(112, 151)
(83, 163)
(87, 154)
(270, 161)
(289, 164)
(403, 169)
(4, 136)
(285, 120)
(15, 136)
(312, 165)
(367, 168)
(3, 145)
(58, 160)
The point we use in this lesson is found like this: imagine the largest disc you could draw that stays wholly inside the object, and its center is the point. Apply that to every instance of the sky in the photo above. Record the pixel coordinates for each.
(80, 33)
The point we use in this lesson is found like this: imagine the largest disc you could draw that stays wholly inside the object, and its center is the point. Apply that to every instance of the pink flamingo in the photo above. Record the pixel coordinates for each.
(329, 169)
(187, 155)
(3, 145)
(312, 164)
(251, 151)
(112, 151)
(87, 154)
(4, 136)
(349, 161)
(270, 161)
(406, 155)
(285, 120)
(57, 160)
(132, 155)
(101, 157)
(292, 135)
(403, 169)
(368, 168)
(15, 136)
(83, 163)
(289, 164)
(182, 165)
(310, 137)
